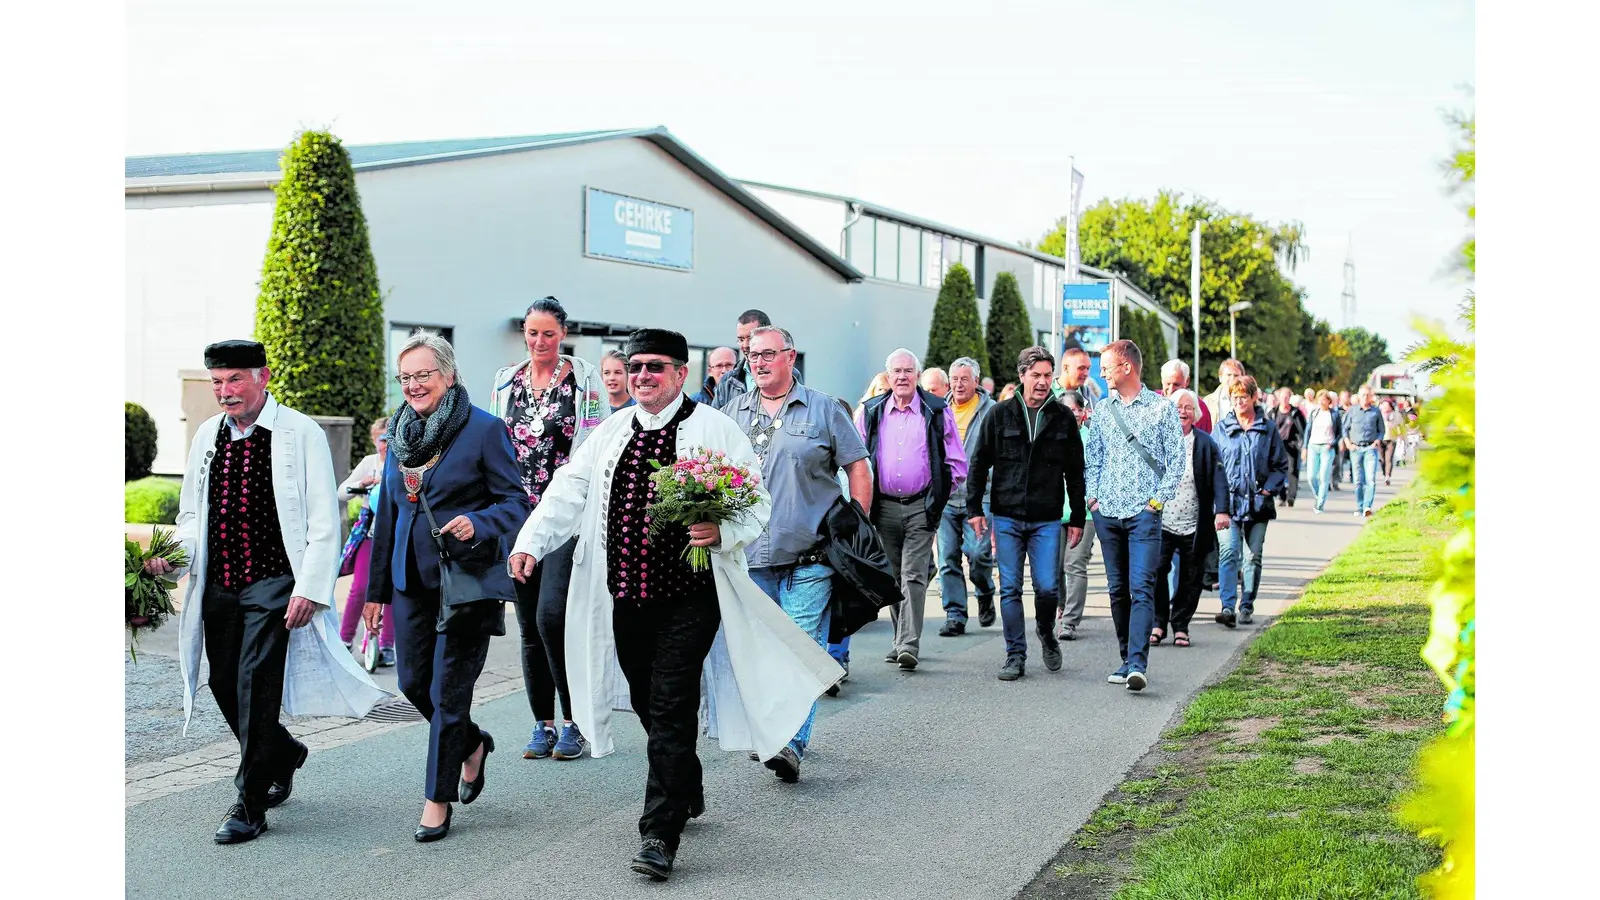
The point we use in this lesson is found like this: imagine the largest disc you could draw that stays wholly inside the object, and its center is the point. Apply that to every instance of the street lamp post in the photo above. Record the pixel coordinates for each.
(1233, 326)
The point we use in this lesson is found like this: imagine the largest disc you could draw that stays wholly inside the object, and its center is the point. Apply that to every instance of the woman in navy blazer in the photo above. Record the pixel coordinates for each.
(459, 458)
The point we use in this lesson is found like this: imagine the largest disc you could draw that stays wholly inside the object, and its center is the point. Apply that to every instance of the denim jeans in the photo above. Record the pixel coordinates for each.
(1131, 549)
(1365, 461)
(803, 592)
(958, 540)
(1321, 471)
(1017, 542)
(1255, 534)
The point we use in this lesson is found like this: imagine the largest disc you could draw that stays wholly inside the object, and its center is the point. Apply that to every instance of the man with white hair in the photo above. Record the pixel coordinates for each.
(1174, 378)
(957, 539)
(917, 460)
(936, 382)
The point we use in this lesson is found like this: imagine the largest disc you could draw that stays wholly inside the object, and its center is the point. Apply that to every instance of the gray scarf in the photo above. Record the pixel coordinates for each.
(414, 440)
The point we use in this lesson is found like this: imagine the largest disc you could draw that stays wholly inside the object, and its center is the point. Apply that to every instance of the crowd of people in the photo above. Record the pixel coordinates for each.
(545, 495)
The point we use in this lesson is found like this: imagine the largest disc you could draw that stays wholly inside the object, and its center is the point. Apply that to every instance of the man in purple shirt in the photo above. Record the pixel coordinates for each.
(917, 458)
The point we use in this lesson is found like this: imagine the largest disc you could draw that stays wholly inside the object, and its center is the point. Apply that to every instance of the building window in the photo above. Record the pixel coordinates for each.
(398, 332)
(860, 243)
(932, 265)
(910, 255)
(972, 258)
(888, 251)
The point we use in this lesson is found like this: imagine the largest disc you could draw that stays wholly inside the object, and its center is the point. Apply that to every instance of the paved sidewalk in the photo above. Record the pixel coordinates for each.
(938, 783)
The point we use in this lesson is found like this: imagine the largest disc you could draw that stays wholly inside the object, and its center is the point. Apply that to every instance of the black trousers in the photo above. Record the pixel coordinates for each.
(1173, 613)
(1291, 485)
(662, 648)
(437, 673)
(542, 619)
(246, 646)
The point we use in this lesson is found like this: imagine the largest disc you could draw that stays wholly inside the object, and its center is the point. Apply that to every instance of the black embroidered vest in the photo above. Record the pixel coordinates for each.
(244, 541)
(644, 567)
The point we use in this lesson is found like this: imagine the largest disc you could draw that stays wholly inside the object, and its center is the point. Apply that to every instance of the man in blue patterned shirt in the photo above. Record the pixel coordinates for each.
(1133, 461)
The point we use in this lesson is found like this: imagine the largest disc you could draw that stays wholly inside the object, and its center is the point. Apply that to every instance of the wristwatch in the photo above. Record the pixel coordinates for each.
(1155, 505)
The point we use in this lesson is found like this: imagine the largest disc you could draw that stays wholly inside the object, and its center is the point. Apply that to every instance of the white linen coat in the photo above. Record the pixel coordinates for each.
(763, 673)
(320, 677)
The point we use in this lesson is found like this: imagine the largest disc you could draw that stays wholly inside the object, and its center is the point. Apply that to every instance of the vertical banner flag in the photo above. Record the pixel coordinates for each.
(1069, 251)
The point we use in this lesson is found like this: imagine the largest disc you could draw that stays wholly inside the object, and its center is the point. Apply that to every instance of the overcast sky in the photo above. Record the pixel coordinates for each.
(1330, 114)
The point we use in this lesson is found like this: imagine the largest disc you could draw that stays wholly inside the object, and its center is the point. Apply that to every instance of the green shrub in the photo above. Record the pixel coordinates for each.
(1009, 330)
(956, 330)
(151, 501)
(320, 313)
(138, 442)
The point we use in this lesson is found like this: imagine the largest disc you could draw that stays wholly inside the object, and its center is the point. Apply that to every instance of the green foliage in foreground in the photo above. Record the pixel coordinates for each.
(151, 501)
(1287, 771)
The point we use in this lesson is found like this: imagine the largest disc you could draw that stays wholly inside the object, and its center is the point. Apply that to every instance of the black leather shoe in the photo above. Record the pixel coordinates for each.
(953, 627)
(426, 834)
(697, 808)
(471, 789)
(241, 825)
(985, 611)
(653, 860)
(280, 790)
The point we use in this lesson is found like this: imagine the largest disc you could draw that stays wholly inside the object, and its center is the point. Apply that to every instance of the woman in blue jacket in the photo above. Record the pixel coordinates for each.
(1257, 466)
(458, 459)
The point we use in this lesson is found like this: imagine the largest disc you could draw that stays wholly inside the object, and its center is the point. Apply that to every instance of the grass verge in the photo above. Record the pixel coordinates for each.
(1281, 780)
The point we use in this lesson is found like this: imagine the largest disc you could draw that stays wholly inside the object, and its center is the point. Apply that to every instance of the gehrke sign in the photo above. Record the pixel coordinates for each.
(628, 229)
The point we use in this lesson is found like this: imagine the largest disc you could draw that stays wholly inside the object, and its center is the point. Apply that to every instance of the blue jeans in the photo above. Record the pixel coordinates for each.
(1365, 461)
(840, 651)
(1321, 471)
(1255, 534)
(803, 592)
(1015, 542)
(957, 540)
(1131, 549)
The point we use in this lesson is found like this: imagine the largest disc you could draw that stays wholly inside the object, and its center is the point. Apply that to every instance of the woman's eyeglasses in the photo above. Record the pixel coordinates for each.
(419, 377)
(654, 367)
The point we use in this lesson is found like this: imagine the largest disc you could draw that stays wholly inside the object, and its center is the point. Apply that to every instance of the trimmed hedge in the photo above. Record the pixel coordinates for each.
(1010, 331)
(151, 501)
(320, 313)
(1144, 329)
(138, 442)
(956, 330)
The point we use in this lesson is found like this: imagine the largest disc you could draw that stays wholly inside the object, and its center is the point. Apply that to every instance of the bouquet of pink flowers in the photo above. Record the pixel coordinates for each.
(701, 487)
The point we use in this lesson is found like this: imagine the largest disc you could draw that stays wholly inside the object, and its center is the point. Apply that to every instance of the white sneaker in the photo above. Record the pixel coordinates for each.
(1117, 677)
(1357, 513)
(1137, 681)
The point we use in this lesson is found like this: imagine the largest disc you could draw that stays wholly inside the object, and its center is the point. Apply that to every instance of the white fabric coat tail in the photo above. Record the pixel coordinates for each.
(763, 672)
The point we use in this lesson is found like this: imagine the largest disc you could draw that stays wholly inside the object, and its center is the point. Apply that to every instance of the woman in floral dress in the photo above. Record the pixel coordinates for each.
(550, 403)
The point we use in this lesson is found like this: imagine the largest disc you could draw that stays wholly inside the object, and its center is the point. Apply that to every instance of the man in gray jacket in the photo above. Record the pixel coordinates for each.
(956, 538)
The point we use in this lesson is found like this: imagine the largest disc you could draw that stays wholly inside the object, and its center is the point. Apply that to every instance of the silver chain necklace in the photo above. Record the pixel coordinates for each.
(547, 405)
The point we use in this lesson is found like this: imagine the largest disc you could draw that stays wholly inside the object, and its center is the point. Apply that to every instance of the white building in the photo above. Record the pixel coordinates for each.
(627, 228)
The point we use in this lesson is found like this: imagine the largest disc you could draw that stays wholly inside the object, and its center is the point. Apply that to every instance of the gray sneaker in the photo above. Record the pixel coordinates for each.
(786, 765)
(1246, 616)
(1013, 669)
(1069, 632)
(1050, 652)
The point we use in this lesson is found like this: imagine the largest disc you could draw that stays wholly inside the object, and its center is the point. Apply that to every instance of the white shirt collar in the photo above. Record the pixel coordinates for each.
(269, 416)
(656, 422)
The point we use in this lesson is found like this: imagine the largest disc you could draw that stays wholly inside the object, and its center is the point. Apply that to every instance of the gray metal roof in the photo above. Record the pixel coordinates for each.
(361, 155)
(205, 172)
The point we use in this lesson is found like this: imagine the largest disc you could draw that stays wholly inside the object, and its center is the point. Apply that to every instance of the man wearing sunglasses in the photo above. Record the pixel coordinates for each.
(635, 603)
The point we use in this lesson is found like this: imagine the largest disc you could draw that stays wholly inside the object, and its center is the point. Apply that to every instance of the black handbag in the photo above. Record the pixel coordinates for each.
(466, 605)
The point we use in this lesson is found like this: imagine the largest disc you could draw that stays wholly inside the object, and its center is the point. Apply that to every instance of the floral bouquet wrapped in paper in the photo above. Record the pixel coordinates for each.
(148, 600)
(703, 486)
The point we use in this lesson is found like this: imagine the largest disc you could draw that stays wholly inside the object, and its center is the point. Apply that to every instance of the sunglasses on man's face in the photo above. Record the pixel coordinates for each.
(654, 367)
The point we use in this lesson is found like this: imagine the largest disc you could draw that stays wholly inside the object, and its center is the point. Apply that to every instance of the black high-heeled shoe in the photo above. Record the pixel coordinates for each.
(471, 789)
(428, 833)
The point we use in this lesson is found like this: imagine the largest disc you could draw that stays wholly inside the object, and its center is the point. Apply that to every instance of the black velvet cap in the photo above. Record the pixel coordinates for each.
(657, 341)
(236, 355)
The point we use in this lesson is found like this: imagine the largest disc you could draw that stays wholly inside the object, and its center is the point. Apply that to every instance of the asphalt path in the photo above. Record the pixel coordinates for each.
(938, 783)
